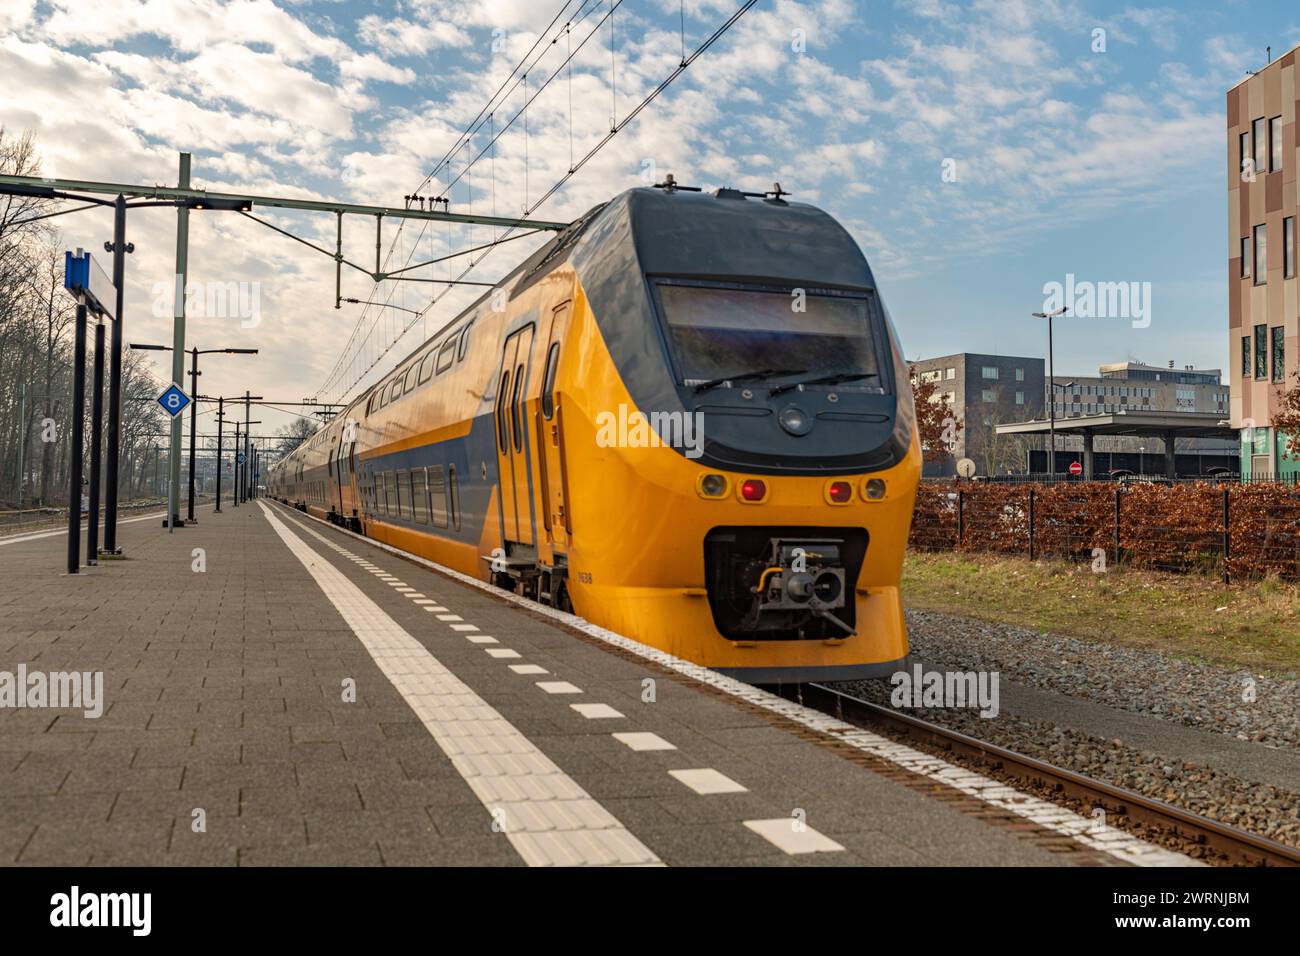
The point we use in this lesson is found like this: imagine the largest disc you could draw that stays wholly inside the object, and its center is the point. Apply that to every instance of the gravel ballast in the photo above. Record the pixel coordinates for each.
(1195, 694)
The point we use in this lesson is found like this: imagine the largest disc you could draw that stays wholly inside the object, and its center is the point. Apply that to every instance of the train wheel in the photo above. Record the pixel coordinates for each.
(561, 600)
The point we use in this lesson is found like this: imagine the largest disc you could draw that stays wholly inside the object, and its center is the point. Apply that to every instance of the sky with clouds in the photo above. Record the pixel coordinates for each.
(1059, 157)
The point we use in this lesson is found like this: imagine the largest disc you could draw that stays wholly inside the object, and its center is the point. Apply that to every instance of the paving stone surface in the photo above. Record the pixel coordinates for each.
(248, 719)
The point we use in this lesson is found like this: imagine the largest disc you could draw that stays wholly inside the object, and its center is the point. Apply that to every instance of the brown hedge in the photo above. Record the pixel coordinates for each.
(1162, 527)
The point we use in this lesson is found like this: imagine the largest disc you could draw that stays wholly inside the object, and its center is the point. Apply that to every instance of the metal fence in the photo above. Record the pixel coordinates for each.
(1225, 528)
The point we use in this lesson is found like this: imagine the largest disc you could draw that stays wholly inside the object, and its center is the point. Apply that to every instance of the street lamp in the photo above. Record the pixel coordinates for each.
(1051, 391)
(194, 405)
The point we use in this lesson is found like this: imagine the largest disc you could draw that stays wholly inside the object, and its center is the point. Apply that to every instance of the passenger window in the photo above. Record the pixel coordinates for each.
(548, 381)
(426, 368)
(419, 496)
(404, 494)
(381, 397)
(464, 342)
(390, 489)
(446, 356)
(438, 496)
(515, 402)
(503, 435)
(453, 496)
(410, 378)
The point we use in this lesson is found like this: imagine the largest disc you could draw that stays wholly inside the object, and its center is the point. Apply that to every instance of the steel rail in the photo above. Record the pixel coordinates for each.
(1238, 846)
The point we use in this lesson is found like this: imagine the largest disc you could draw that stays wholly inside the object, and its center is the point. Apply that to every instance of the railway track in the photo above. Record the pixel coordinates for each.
(1227, 845)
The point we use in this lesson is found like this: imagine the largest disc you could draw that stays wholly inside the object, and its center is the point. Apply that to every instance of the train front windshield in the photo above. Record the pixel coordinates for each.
(724, 331)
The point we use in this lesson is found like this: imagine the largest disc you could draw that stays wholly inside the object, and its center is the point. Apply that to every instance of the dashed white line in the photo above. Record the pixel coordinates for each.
(643, 740)
(793, 836)
(528, 669)
(706, 780)
(558, 687)
(596, 711)
(502, 653)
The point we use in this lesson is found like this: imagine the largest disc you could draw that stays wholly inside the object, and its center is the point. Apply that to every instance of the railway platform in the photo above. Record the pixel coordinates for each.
(276, 691)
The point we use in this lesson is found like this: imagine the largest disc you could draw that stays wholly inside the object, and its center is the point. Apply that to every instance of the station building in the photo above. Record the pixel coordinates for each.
(991, 393)
(1263, 310)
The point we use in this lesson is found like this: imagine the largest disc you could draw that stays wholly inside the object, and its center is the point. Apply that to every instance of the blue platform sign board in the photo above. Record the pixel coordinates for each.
(240, 458)
(83, 277)
(174, 401)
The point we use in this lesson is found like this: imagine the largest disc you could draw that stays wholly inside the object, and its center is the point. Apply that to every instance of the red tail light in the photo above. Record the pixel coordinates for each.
(838, 492)
(751, 489)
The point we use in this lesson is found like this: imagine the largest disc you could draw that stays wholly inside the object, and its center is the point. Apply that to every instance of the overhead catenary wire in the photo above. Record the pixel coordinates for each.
(488, 150)
(505, 89)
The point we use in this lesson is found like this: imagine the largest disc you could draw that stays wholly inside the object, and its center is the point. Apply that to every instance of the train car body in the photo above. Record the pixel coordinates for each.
(686, 418)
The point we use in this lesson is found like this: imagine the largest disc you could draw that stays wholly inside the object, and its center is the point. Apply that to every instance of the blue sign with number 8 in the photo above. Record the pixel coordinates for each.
(173, 400)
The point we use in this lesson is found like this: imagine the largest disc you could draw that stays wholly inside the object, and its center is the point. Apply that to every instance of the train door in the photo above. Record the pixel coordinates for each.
(550, 439)
(344, 471)
(512, 443)
(354, 482)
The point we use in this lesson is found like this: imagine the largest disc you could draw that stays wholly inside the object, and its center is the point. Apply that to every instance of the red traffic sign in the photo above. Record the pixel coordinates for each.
(1076, 468)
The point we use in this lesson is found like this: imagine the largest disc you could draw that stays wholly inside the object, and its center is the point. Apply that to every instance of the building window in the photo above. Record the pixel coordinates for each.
(1243, 154)
(950, 373)
(1245, 258)
(989, 395)
(1277, 335)
(1245, 356)
(1261, 254)
(1288, 247)
(1275, 143)
(1020, 398)
(1020, 375)
(989, 371)
(1261, 351)
(1260, 138)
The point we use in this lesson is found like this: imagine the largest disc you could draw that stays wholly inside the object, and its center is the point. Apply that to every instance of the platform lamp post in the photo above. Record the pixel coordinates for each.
(1051, 390)
(221, 416)
(194, 405)
(234, 468)
(245, 470)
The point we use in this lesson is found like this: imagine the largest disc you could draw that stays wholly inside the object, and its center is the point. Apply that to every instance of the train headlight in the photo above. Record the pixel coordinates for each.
(795, 420)
(753, 490)
(873, 489)
(711, 485)
(839, 492)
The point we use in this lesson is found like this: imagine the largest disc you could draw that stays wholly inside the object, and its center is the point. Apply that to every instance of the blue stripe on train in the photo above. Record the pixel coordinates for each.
(468, 454)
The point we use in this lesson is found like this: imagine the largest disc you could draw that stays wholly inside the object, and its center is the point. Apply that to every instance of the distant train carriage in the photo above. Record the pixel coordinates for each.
(687, 419)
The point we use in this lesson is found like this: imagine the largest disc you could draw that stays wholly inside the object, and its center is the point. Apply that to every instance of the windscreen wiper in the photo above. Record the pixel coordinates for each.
(747, 376)
(834, 379)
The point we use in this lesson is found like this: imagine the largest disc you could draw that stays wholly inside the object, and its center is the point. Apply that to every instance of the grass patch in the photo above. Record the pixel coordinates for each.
(1251, 625)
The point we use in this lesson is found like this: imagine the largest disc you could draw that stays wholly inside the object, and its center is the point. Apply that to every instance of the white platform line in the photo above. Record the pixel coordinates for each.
(547, 817)
(1044, 813)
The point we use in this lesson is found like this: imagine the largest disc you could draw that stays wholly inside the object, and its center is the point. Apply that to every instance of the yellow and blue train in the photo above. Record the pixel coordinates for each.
(686, 418)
